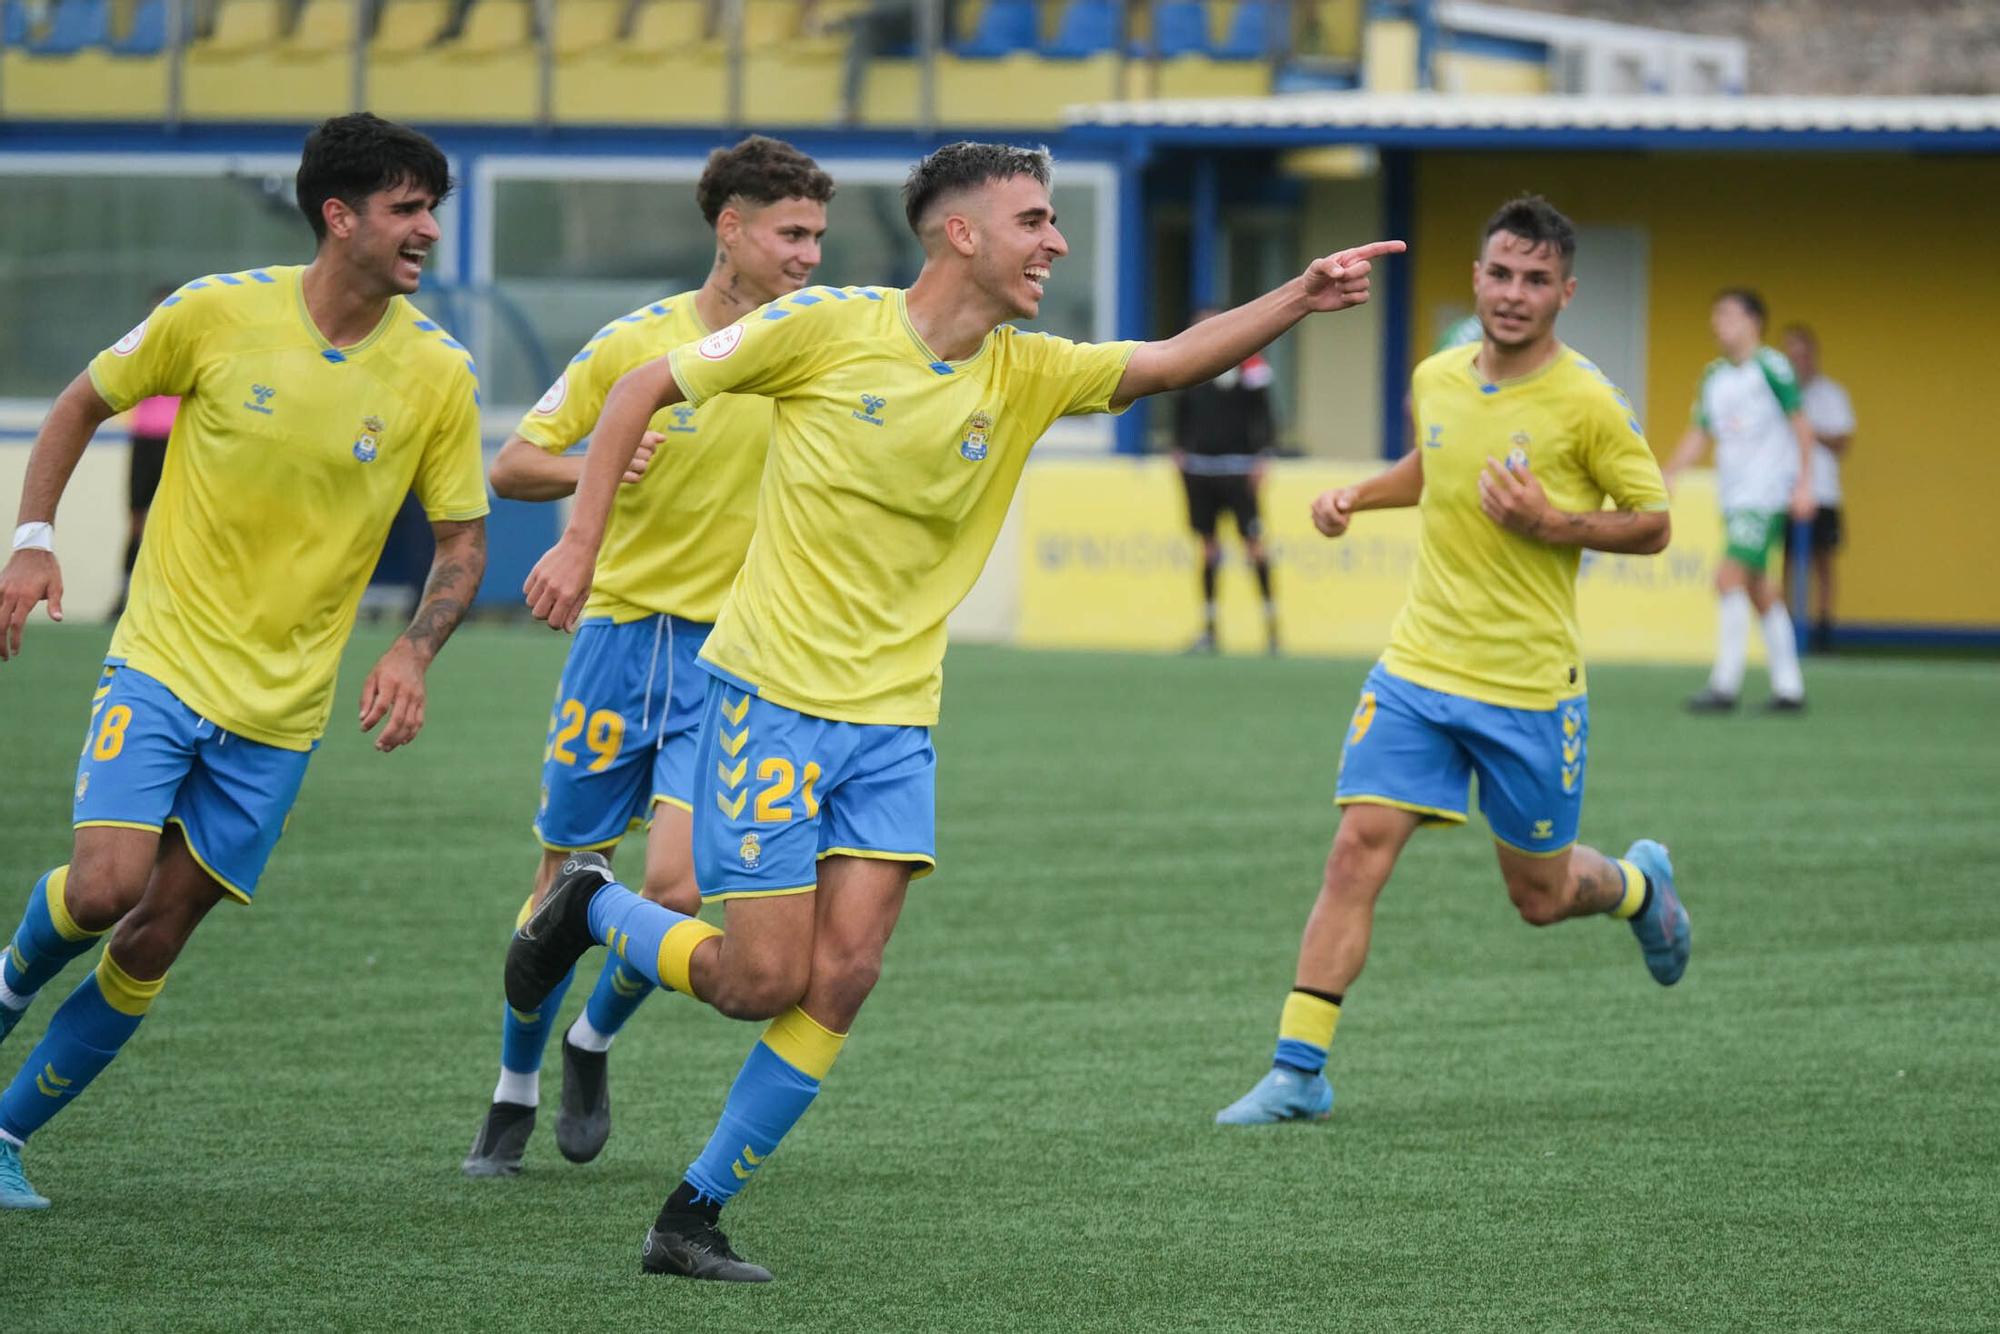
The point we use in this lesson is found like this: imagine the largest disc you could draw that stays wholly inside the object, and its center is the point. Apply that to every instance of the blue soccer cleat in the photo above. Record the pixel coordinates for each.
(1281, 1095)
(15, 1192)
(1662, 929)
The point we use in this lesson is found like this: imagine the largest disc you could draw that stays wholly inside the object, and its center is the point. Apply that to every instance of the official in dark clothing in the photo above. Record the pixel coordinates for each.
(1223, 435)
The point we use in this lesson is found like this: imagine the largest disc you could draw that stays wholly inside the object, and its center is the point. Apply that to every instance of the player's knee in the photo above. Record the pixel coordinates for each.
(1536, 906)
(761, 991)
(103, 888)
(1360, 852)
(151, 936)
(674, 889)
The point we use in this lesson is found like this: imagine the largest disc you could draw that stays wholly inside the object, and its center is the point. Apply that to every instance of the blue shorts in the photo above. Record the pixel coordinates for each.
(149, 759)
(1418, 749)
(622, 730)
(786, 789)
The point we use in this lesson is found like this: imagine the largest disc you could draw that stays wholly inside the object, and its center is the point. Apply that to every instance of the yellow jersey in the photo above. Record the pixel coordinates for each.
(287, 462)
(676, 537)
(889, 476)
(1491, 615)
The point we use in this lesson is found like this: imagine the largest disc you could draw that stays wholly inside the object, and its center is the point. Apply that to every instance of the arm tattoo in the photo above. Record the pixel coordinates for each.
(448, 592)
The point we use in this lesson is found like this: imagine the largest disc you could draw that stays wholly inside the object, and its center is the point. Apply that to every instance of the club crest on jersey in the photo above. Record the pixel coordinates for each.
(683, 419)
(751, 851)
(720, 343)
(871, 409)
(973, 446)
(368, 444)
(553, 397)
(263, 393)
(129, 344)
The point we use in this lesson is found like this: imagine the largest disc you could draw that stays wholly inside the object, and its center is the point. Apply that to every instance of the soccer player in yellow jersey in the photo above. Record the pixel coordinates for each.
(622, 731)
(903, 421)
(313, 399)
(1520, 442)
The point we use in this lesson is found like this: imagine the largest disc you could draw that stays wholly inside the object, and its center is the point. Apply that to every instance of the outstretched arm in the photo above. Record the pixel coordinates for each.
(1804, 504)
(1514, 499)
(560, 582)
(32, 574)
(1398, 486)
(395, 688)
(1205, 350)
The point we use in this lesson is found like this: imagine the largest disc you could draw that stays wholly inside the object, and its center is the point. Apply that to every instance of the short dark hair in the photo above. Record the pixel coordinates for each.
(1746, 297)
(1536, 221)
(961, 166)
(759, 171)
(351, 157)
(1803, 332)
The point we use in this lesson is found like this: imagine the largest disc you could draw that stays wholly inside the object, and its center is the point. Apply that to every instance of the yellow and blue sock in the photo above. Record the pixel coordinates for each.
(524, 1035)
(619, 992)
(1305, 1030)
(1638, 890)
(772, 1091)
(43, 944)
(649, 938)
(84, 1034)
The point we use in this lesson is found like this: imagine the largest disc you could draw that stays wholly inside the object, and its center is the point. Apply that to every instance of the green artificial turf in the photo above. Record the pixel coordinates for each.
(1530, 1133)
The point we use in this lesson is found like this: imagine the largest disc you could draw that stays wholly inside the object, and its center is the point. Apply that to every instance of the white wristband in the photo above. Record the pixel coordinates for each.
(35, 537)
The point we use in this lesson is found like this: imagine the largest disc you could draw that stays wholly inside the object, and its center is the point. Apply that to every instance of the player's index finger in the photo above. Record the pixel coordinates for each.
(1374, 249)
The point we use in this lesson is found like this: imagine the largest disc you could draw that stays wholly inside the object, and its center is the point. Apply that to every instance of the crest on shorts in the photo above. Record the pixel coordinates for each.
(368, 444)
(82, 785)
(973, 446)
(751, 850)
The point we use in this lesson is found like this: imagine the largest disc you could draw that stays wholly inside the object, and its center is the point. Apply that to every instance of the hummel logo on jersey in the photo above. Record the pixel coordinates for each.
(683, 420)
(1435, 439)
(871, 409)
(263, 393)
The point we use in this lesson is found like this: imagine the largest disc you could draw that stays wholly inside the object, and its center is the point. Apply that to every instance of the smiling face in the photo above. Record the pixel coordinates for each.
(775, 247)
(1518, 289)
(1013, 242)
(389, 238)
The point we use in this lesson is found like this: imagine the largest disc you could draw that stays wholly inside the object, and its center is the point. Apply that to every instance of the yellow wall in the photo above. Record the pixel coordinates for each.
(1105, 561)
(1891, 259)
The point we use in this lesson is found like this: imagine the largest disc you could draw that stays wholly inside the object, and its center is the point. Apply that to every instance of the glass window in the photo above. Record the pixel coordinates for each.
(569, 255)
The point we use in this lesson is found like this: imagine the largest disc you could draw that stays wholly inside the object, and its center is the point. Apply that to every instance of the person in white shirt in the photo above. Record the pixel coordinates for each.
(1748, 405)
(1831, 416)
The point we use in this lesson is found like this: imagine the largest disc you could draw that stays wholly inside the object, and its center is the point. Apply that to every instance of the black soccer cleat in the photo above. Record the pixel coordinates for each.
(501, 1142)
(550, 942)
(1709, 701)
(691, 1246)
(584, 1122)
(1785, 704)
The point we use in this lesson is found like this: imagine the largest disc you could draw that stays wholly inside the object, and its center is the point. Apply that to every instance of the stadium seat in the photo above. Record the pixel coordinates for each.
(493, 28)
(242, 28)
(1086, 28)
(407, 28)
(1180, 28)
(77, 25)
(664, 28)
(15, 30)
(768, 23)
(146, 35)
(1005, 26)
(586, 25)
(1256, 31)
(322, 29)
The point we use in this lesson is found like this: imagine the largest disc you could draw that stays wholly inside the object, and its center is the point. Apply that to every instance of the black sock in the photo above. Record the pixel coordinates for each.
(1264, 577)
(1646, 902)
(686, 1201)
(1330, 997)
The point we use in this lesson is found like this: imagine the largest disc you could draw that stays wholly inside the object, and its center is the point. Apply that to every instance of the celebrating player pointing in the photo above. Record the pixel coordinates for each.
(903, 421)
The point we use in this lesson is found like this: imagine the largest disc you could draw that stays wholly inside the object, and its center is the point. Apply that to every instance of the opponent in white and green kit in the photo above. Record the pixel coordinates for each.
(1748, 405)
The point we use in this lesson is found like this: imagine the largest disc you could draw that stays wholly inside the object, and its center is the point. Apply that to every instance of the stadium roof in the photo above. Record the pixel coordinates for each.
(1430, 120)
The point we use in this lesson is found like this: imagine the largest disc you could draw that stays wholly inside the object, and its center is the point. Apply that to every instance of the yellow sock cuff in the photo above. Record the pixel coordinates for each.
(1308, 1019)
(59, 917)
(1635, 890)
(803, 1043)
(124, 992)
(677, 952)
(527, 911)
